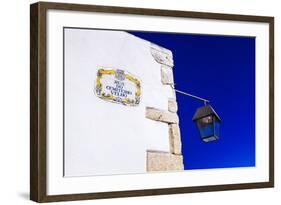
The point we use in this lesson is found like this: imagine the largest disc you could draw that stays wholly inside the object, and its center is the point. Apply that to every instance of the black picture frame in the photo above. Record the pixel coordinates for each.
(38, 101)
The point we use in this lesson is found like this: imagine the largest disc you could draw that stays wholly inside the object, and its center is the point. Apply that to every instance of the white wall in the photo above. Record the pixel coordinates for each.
(14, 109)
(103, 138)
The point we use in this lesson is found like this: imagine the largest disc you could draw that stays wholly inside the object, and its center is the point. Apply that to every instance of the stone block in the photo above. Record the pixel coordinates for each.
(172, 105)
(167, 77)
(161, 115)
(175, 139)
(161, 161)
(162, 55)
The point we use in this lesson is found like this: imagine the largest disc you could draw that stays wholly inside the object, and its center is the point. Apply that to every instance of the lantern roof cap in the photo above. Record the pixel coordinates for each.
(205, 111)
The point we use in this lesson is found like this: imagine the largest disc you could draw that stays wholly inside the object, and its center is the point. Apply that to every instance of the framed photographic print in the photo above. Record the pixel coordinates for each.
(134, 102)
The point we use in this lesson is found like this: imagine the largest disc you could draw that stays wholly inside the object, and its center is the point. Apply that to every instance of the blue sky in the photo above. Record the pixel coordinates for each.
(221, 69)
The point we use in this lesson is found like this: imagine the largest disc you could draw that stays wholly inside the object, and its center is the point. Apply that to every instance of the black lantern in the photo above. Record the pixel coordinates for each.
(208, 123)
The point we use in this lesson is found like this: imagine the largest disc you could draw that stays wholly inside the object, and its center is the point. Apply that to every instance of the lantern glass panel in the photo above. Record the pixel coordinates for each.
(216, 128)
(208, 128)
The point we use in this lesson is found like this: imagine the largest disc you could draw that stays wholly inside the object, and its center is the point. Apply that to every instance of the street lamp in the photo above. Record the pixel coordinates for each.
(206, 119)
(208, 123)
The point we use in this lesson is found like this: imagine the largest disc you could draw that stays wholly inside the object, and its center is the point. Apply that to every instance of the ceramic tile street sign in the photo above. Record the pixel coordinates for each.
(118, 86)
